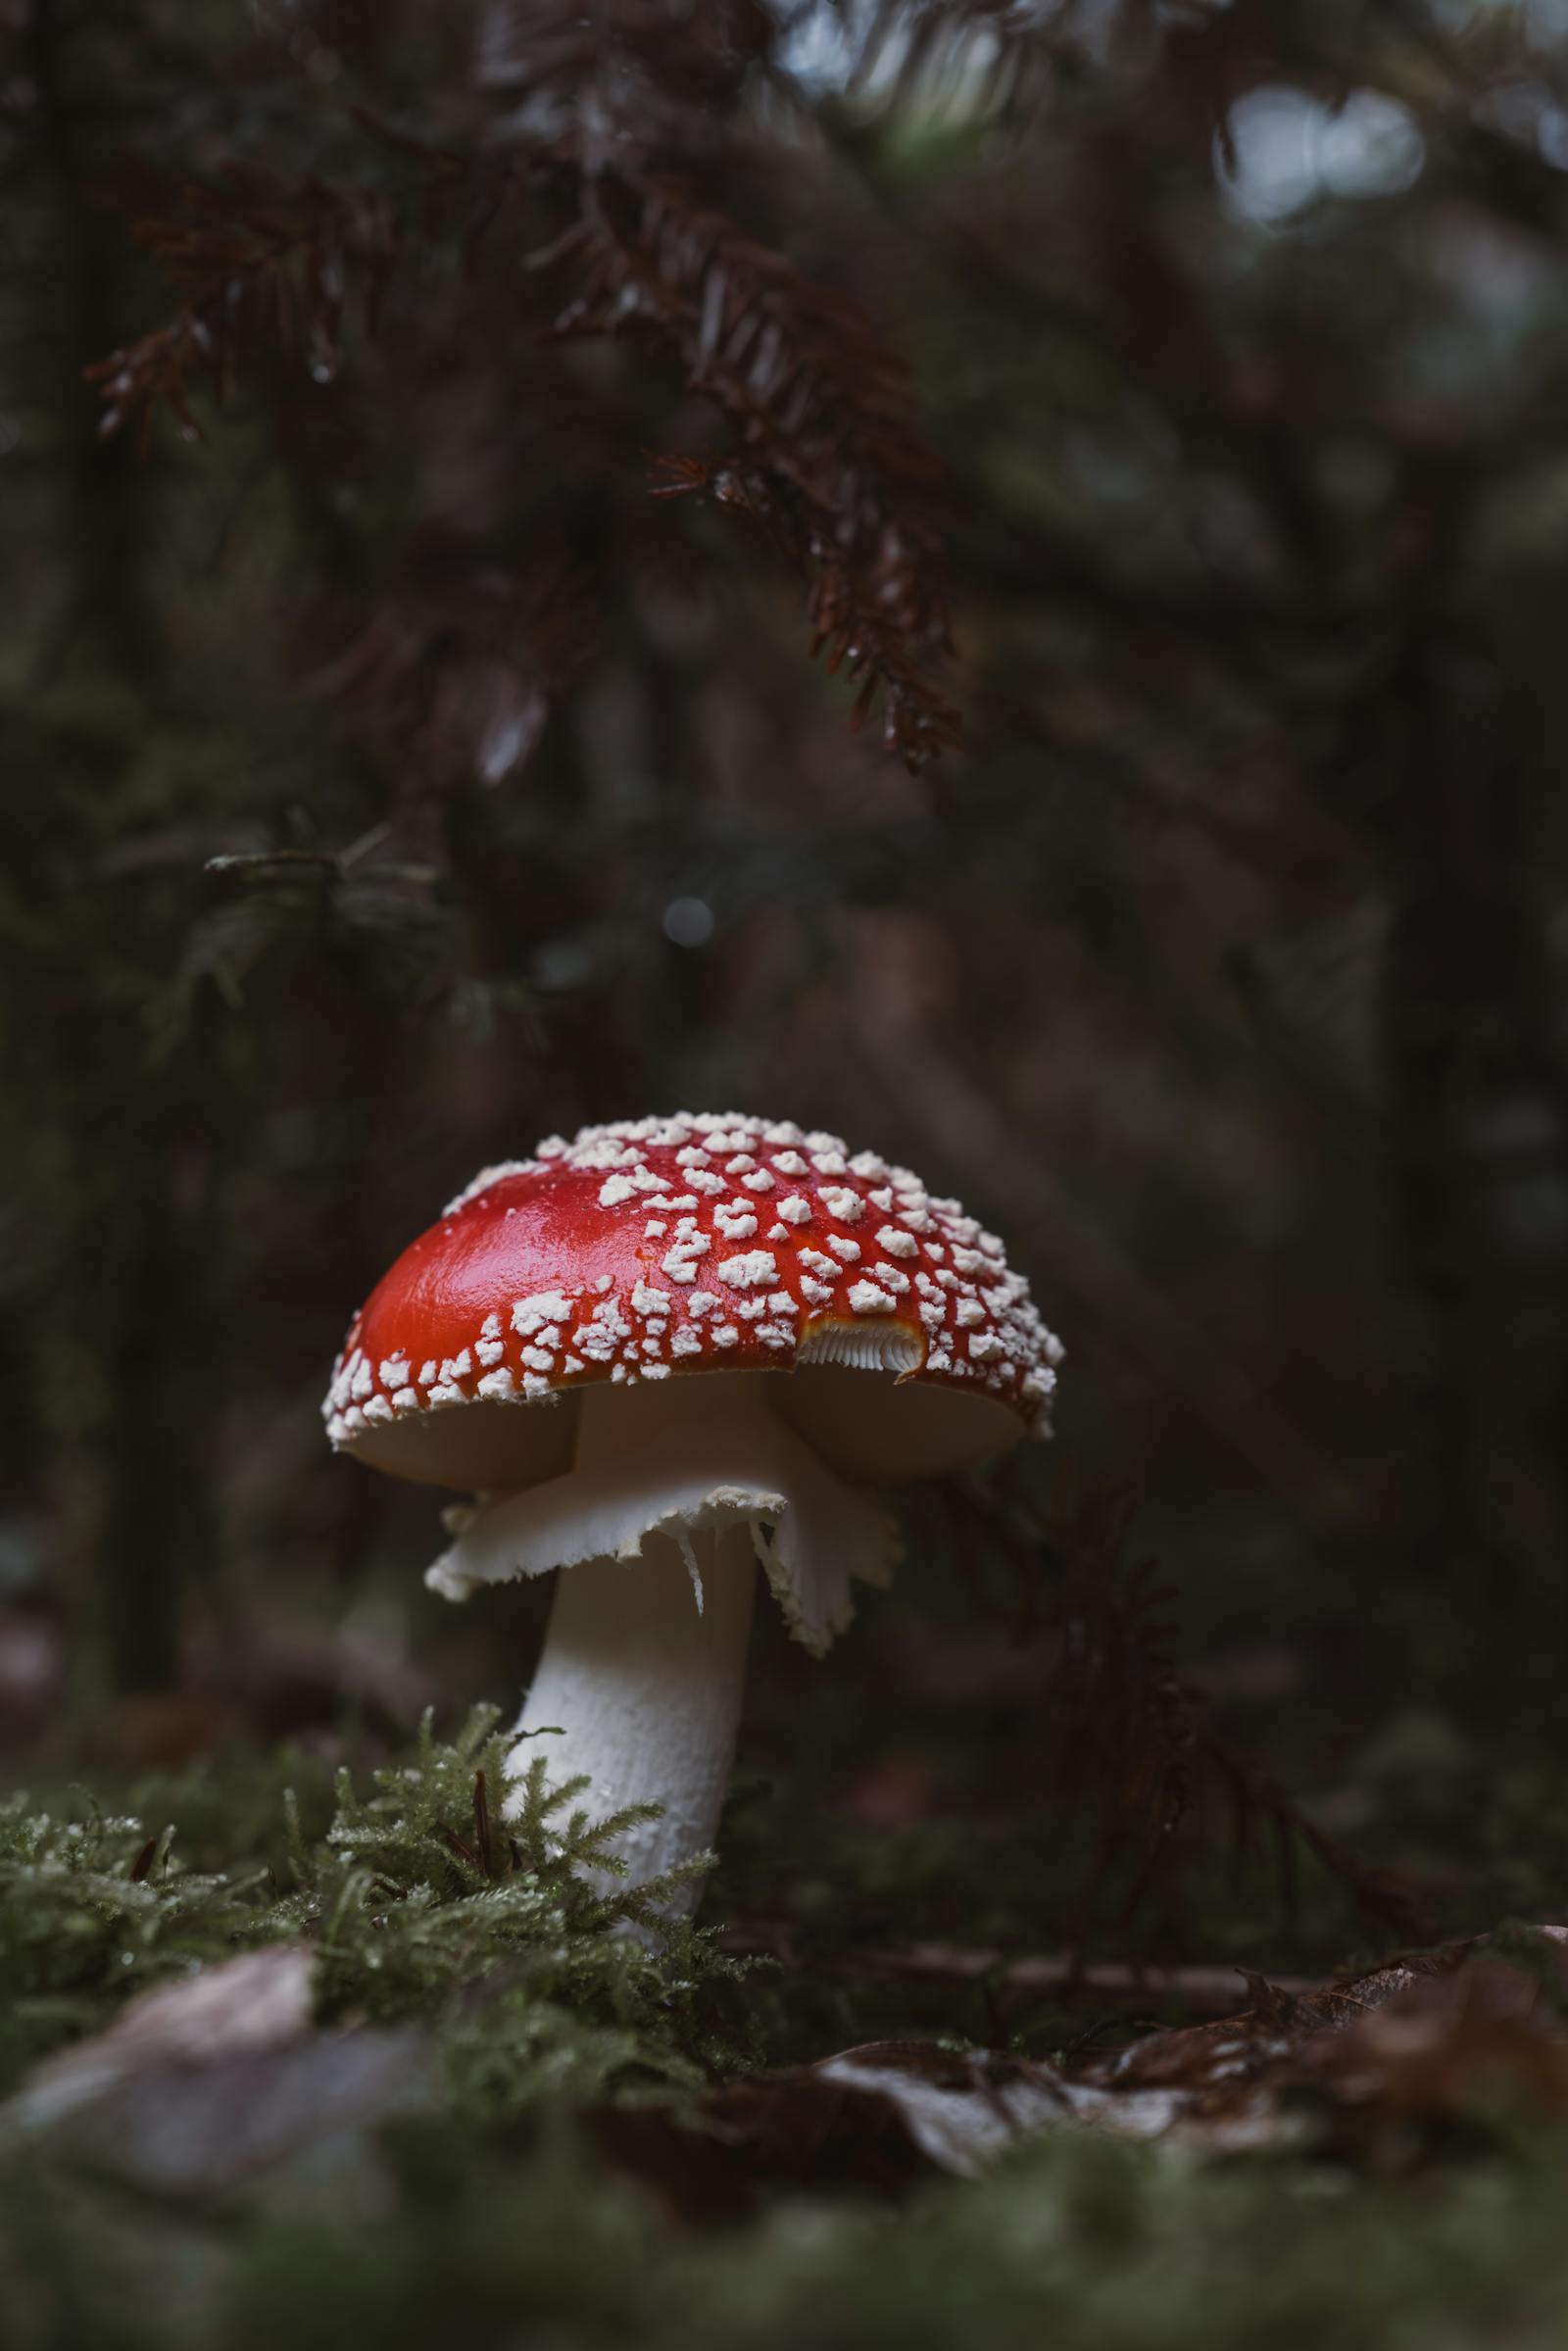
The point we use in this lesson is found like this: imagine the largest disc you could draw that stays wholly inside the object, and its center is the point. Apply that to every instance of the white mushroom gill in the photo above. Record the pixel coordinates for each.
(676, 1493)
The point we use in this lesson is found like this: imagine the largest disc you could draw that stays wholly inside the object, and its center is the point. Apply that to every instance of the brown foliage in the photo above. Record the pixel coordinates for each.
(595, 176)
(1385, 2071)
(1134, 1742)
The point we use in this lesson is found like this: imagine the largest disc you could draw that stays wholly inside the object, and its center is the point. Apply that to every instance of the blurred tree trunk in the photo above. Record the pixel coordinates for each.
(1477, 1142)
(105, 477)
(148, 1518)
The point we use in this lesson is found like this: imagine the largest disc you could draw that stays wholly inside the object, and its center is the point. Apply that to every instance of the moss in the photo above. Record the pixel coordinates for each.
(93, 1908)
(503, 2216)
(445, 1894)
(1074, 2241)
(449, 1879)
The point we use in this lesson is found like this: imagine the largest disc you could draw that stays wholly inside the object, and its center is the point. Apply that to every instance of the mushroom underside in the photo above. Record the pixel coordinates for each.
(684, 1461)
(857, 1413)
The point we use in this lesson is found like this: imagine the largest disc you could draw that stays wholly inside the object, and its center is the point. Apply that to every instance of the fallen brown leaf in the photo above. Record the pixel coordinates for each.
(206, 2085)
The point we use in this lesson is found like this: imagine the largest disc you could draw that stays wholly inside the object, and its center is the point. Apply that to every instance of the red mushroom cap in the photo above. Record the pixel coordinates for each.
(661, 1248)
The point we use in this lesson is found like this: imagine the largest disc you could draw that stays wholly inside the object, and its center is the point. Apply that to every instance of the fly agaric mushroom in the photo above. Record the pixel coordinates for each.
(658, 1356)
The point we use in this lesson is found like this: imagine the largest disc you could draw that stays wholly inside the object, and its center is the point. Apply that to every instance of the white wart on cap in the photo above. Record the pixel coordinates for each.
(658, 1249)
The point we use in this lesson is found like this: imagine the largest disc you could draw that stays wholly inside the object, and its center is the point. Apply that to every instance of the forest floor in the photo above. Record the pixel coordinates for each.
(315, 2058)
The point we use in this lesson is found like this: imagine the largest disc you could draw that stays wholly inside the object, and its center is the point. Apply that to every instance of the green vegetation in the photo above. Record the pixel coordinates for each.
(1072, 2242)
(419, 1896)
(490, 2196)
(437, 2226)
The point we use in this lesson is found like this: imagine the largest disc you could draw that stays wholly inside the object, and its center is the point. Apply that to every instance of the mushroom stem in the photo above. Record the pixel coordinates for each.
(646, 1687)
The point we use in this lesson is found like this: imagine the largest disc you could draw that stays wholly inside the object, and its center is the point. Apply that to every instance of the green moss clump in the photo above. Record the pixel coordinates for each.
(436, 1893)
(451, 2234)
(92, 1909)
(453, 1893)
(448, 1893)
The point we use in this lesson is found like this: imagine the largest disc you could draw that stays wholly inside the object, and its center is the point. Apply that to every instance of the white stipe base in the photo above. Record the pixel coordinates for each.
(646, 1689)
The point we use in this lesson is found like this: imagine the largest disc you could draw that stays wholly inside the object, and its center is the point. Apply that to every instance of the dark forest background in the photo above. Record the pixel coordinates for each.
(468, 472)
(987, 574)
